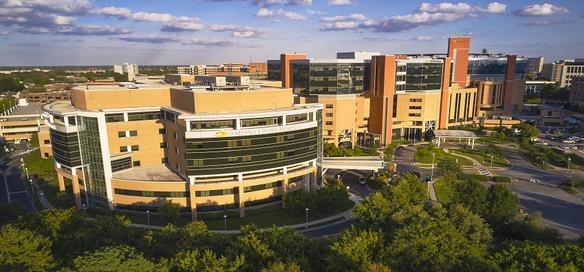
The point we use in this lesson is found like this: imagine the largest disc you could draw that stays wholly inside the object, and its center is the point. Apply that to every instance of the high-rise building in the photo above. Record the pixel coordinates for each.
(286, 68)
(137, 146)
(553, 71)
(127, 68)
(534, 65)
(576, 96)
(274, 70)
(571, 70)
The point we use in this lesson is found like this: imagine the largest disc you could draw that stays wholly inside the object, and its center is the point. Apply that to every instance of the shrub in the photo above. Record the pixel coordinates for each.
(323, 200)
(502, 179)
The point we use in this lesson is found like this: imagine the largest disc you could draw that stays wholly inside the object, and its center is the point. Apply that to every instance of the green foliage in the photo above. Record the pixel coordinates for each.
(380, 180)
(10, 212)
(24, 250)
(471, 194)
(194, 261)
(526, 130)
(114, 258)
(535, 257)
(281, 267)
(355, 250)
(170, 211)
(9, 84)
(408, 190)
(330, 150)
(449, 168)
(502, 204)
(502, 179)
(321, 201)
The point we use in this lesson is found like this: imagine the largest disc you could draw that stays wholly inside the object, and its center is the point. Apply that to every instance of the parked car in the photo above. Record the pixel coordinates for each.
(568, 141)
(362, 180)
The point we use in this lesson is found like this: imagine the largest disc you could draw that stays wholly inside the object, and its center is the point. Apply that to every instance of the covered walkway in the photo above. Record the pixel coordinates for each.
(442, 135)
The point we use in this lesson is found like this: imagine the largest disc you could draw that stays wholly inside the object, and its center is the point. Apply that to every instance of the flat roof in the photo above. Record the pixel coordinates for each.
(122, 86)
(31, 108)
(150, 173)
(455, 133)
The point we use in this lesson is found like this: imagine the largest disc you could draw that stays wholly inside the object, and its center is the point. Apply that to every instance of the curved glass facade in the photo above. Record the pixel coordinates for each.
(66, 148)
(250, 153)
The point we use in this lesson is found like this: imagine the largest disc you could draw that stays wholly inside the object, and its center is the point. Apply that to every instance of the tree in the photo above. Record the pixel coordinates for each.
(114, 258)
(502, 204)
(426, 239)
(408, 190)
(449, 169)
(10, 212)
(373, 211)
(282, 267)
(249, 244)
(471, 194)
(194, 261)
(526, 130)
(355, 250)
(10, 84)
(170, 211)
(534, 257)
(24, 250)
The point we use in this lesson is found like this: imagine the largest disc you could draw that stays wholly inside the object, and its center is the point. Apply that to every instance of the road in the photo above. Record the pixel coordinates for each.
(13, 188)
(559, 209)
(522, 169)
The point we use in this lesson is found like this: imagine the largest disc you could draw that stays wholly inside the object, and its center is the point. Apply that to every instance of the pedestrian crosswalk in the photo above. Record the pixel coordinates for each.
(485, 172)
(405, 163)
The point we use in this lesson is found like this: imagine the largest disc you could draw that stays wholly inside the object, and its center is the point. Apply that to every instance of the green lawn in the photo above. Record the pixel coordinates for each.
(443, 191)
(493, 140)
(330, 150)
(272, 215)
(424, 155)
(483, 156)
(46, 178)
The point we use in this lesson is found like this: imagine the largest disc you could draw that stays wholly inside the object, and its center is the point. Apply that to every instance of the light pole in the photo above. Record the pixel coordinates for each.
(148, 217)
(339, 178)
(432, 173)
(306, 217)
(569, 160)
(225, 221)
(491, 161)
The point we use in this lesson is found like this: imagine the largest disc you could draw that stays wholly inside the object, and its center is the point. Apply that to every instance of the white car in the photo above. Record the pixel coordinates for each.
(568, 141)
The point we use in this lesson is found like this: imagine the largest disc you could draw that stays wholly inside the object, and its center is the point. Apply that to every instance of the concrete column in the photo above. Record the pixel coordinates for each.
(284, 185)
(192, 201)
(439, 140)
(241, 203)
(472, 145)
(61, 180)
(76, 192)
(313, 186)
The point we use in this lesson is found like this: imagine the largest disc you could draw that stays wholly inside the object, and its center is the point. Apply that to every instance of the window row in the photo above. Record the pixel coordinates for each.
(127, 133)
(251, 122)
(149, 193)
(129, 148)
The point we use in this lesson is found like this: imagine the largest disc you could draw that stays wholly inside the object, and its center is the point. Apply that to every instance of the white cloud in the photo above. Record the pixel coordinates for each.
(314, 12)
(427, 14)
(338, 18)
(265, 12)
(423, 38)
(545, 9)
(339, 2)
(496, 7)
(57, 6)
(446, 8)
(282, 2)
(238, 31)
(170, 23)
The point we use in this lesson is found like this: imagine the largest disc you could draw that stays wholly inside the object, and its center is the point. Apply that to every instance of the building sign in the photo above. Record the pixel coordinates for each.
(248, 131)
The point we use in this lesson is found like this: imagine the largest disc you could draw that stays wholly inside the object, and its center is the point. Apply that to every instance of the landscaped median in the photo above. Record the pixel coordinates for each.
(424, 155)
(484, 156)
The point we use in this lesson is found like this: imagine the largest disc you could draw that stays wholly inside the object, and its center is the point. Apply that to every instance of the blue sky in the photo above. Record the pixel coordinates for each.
(83, 32)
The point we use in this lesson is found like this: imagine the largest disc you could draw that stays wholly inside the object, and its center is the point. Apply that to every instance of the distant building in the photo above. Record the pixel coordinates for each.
(186, 70)
(46, 97)
(552, 71)
(258, 68)
(274, 70)
(535, 65)
(127, 68)
(577, 92)
(534, 87)
(571, 70)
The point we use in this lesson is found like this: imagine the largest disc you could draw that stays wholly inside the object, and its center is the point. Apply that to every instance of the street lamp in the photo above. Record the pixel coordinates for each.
(306, 217)
(491, 161)
(225, 221)
(432, 173)
(338, 177)
(569, 160)
(148, 217)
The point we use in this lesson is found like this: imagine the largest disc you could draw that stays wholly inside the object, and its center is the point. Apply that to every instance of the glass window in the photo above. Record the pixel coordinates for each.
(59, 120)
(329, 115)
(296, 118)
(218, 124)
(329, 123)
(47, 141)
(135, 148)
(139, 116)
(121, 134)
(163, 145)
(329, 106)
(114, 117)
(133, 133)
(136, 163)
(262, 186)
(162, 131)
(258, 122)
(71, 120)
(123, 149)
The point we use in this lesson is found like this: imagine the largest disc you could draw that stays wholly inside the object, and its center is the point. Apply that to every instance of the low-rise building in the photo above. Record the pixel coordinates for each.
(206, 149)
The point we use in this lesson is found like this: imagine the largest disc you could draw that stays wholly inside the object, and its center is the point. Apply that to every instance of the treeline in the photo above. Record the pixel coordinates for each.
(481, 229)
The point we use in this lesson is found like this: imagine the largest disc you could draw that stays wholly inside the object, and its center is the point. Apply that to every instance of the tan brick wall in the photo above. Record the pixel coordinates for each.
(148, 140)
